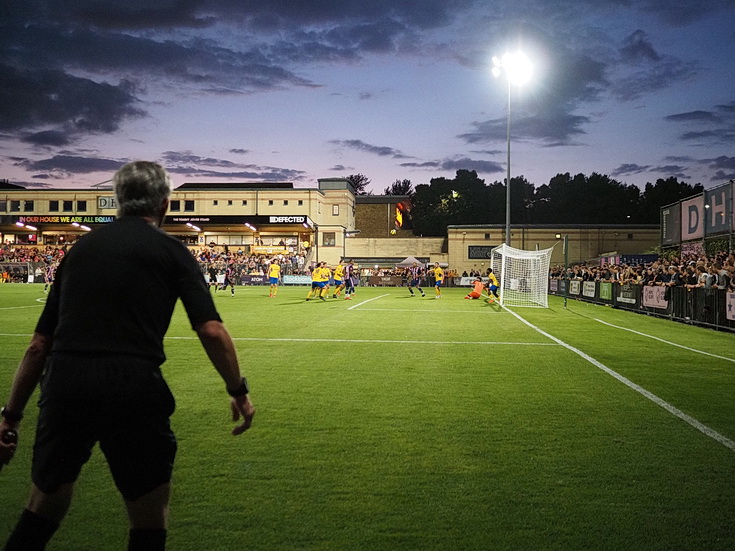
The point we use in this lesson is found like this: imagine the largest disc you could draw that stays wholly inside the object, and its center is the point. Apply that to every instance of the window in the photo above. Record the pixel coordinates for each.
(189, 205)
(270, 203)
(68, 206)
(285, 203)
(14, 206)
(630, 236)
(244, 202)
(329, 239)
(53, 206)
(215, 202)
(229, 202)
(335, 210)
(175, 205)
(81, 206)
(487, 236)
(28, 206)
(301, 202)
(3, 206)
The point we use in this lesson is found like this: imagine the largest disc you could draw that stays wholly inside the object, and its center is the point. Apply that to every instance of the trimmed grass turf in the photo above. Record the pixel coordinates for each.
(396, 424)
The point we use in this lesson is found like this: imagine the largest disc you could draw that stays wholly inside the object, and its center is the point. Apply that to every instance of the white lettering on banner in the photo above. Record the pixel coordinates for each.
(653, 297)
(287, 220)
(588, 289)
(574, 287)
(730, 306)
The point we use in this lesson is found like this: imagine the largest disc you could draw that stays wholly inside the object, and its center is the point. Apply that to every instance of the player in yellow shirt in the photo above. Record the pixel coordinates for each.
(339, 279)
(274, 274)
(439, 277)
(319, 281)
(492, 286)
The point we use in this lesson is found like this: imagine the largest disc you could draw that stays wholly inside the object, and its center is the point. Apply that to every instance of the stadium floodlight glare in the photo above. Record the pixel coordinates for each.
(518, 69)
(86, 228)
(20, 224)
(193, 227)
(32, 228)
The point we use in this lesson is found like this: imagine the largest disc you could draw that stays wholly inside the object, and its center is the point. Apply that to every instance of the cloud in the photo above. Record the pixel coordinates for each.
(48, 137)
(554, 128)
(381, 151)
(30, 99)
(194, 166)
(641, 70)
(71, 164)
(629, 168)
(452, 165)
(694, 116)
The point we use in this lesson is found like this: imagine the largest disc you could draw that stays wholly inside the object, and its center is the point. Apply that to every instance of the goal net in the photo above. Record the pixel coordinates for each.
(523, 276)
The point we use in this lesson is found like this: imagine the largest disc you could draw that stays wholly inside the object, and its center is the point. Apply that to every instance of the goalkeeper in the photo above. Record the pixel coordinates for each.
(477, 288)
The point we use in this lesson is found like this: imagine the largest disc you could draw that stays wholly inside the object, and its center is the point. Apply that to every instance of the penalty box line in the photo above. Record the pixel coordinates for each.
(701, 427)
(373, 341)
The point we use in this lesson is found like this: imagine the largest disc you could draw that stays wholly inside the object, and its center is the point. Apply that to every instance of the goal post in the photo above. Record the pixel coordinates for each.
(523, 276)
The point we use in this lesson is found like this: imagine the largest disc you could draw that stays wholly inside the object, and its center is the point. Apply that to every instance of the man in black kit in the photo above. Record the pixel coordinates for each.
(97, 350)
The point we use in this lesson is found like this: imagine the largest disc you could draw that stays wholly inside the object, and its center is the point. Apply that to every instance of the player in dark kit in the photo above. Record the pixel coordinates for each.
(212, 271)
(99, 346)
(230, 278)
(414, 279)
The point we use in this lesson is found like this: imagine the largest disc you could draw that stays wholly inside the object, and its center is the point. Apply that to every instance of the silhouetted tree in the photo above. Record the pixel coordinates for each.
(662, 193)
(400, 187)
(360, 182)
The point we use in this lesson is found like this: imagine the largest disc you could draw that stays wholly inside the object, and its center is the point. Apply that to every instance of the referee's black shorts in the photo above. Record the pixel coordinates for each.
(123, 403)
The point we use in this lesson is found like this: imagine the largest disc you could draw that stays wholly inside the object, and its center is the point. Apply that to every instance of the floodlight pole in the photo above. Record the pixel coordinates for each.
(507, 181)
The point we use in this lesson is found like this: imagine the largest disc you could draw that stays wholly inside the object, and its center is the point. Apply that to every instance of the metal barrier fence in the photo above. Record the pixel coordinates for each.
(713, 308)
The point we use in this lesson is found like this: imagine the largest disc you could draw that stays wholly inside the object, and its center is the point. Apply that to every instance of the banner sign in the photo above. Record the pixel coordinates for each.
(253, 280)
(240, 220)
(107, 202)
(553, 285)
(297, 280)
(717, 210)
(479, 252)
(671, 225)
(692, 218)
(64, 219)
(574, 287)
(606, 290)
(626, 294)
(588, 289)
(653, 297)
(730, 306)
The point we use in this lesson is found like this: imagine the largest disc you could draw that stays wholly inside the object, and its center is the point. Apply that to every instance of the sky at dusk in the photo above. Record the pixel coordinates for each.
(279, 90)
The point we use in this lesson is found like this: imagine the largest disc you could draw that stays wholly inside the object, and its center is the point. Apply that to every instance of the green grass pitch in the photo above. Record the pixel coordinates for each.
(397, 423)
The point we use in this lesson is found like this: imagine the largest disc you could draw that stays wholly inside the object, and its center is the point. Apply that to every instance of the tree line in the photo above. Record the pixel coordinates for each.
(566, 199)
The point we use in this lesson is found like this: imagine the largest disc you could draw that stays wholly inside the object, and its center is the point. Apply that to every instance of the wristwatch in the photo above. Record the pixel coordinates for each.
(242, 390)
(11, 416)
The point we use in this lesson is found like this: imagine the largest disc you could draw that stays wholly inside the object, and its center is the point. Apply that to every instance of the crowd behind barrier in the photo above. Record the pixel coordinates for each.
(690, 288)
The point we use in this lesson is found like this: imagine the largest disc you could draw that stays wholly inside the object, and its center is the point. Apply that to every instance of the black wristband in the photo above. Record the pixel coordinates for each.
(242, 390)
(11, 415)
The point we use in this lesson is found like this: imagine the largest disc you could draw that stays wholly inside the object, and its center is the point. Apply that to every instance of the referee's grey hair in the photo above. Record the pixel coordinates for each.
(140, 188)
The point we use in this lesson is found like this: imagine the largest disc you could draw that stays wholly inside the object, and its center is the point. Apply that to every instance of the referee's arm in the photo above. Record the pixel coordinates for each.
(221, 352)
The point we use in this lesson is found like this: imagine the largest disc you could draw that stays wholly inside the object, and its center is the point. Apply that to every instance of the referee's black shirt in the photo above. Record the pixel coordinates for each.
(116, 288)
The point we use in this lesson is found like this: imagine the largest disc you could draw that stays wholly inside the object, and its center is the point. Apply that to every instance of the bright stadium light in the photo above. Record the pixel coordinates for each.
(518, 70)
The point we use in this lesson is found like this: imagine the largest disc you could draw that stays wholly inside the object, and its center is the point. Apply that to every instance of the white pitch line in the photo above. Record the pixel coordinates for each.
(373, 341)
(366, 301)
(485, 311)
(668, 342)
(20, 307)
(701, 427)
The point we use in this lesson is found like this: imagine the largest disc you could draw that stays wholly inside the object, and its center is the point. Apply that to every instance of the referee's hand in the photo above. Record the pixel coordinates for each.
(242, 407)
(8, 443)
